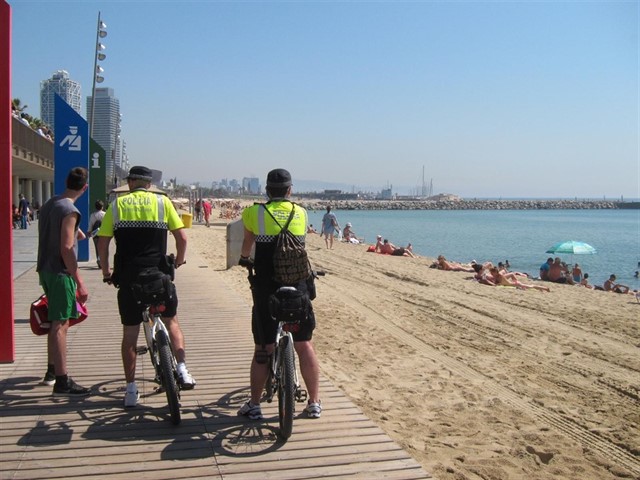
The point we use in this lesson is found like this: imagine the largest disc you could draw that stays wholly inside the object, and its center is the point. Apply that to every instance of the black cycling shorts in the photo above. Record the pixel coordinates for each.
(131, 311)
(264, 328)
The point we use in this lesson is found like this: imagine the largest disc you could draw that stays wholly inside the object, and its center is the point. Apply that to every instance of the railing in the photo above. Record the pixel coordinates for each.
(30, 140)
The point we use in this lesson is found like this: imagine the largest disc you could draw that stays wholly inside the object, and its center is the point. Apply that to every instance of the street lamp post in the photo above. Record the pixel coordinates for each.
(101, 32)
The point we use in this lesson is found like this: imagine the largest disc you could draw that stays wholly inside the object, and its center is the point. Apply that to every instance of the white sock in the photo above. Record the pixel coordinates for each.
(132, 387)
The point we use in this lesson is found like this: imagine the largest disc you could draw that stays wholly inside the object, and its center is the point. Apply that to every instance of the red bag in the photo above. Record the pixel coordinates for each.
(38, 315)
(372, 248)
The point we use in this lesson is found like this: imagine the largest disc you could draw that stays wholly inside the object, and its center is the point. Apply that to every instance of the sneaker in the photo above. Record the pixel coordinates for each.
(313, 409)
(131, 398)
(187, 382)
(49, 378)
(254, 412)
(71, 389)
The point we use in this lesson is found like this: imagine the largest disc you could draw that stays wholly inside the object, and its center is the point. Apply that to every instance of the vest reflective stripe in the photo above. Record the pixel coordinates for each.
(261, 227)
(161, 216)
(114, 211)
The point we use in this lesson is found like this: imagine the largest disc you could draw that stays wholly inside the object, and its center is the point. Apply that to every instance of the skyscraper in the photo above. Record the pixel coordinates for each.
(61, 84)
(106, 127)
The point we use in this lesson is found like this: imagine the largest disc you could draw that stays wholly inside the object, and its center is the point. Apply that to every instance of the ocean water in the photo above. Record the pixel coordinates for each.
(520, 236)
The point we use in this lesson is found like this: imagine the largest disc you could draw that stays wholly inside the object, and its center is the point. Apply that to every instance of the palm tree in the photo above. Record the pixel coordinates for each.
(17, 105)
(36, 123)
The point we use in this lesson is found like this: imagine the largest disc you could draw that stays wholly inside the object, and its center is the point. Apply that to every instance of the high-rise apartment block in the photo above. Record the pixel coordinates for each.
(251, 185)
(106, 127)
(61, 84)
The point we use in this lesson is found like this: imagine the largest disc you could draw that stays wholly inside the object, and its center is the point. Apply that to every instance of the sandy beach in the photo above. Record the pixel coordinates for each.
(475, 382)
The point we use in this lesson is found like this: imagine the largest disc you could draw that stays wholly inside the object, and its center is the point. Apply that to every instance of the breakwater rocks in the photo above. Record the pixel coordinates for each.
(464, 204)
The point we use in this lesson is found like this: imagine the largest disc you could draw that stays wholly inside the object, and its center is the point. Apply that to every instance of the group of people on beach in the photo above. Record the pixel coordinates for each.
(331, 227)
(556, 271)
(489, 274)
(553, 270)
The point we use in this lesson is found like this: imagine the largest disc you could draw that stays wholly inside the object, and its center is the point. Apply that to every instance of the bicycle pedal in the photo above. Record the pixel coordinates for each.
(141, 350)
(301, 395)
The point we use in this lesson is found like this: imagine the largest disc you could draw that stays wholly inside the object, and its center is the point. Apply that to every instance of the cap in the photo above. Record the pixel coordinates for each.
(139, 173)
(379, 236)
(348, 224)
(278, 178)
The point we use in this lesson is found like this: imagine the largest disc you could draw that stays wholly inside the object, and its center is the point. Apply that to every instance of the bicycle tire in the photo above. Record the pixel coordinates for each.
(168, 376)
(286, 387)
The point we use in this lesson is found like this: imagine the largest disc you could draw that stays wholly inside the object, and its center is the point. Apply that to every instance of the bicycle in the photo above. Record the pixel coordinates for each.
(282, 380)
(150, 291)
(162, 357)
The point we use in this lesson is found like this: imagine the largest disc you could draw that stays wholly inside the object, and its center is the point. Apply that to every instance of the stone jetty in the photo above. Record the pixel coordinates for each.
(463, 204)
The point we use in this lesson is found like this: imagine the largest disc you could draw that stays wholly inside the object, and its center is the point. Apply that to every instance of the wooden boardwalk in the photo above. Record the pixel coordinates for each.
(46, 437)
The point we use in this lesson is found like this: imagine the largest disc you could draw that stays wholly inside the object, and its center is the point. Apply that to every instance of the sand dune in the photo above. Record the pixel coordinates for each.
(476, 382)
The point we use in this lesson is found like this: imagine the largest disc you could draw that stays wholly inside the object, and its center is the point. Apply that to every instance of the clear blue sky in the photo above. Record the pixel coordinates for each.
(511, 99)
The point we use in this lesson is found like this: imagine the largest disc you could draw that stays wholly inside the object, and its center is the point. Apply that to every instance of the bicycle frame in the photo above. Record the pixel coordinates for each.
(152, 324)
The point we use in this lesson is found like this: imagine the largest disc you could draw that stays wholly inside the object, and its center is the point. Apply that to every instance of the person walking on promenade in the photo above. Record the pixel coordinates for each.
(141, 242)
(23, 209)
(59, 275)
(329, 227)
(260, 229)
(95, 220)
(206, 210)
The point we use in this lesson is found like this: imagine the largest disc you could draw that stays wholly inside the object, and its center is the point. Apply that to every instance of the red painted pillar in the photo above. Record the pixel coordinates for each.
(7, 319)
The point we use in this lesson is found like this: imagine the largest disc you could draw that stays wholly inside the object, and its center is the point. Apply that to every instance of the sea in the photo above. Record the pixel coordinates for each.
(520, 236)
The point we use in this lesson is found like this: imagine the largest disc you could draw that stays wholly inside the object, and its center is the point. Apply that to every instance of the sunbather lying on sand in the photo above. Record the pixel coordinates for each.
(444, 264)
(390, 249)
(511, 280)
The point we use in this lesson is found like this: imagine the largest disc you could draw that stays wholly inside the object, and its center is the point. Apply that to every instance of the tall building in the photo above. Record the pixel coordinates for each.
(106, 128)
(61, 84)
(251, 185)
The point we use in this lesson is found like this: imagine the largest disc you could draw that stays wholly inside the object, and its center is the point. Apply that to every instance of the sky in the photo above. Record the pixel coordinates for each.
(484, 99)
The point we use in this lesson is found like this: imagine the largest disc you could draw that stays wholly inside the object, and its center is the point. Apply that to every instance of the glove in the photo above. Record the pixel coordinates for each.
(245, 262)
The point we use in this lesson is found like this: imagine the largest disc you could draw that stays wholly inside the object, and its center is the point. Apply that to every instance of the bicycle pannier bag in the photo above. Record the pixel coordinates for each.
(152, 287)
(290, 261)
(289, 305)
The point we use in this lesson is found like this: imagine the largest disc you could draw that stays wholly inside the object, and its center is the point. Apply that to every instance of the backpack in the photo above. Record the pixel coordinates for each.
(290, 262)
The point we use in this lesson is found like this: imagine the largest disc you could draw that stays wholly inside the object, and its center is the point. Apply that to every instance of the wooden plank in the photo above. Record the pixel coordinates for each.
(47, 437)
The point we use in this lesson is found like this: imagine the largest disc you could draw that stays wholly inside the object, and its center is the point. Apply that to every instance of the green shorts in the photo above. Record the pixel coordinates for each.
(60, 290)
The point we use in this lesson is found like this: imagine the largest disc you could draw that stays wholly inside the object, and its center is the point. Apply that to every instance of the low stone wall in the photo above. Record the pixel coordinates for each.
(462, 205)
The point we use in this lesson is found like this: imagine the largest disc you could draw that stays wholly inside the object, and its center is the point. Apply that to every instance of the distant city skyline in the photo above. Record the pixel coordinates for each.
(494, 99)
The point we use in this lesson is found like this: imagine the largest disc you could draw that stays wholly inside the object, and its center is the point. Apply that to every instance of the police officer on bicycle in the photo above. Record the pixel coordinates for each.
(261, 230)
(139, 222)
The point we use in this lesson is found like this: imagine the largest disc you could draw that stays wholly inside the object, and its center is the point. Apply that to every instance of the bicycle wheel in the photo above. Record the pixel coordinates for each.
(286, 387)
(168, 376)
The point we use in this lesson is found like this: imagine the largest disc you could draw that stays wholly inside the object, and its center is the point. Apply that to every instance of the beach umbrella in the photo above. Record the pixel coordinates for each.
(572, 247)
